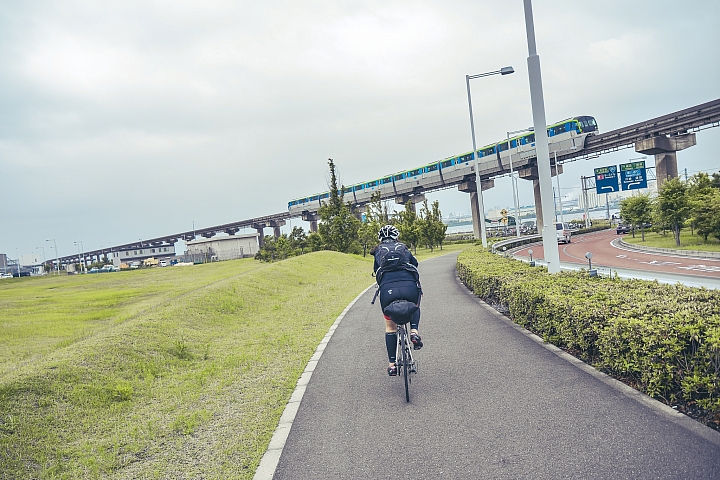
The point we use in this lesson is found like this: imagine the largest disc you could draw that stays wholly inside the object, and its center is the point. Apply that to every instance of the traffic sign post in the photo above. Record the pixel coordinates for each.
(606, 179)
(633, 176)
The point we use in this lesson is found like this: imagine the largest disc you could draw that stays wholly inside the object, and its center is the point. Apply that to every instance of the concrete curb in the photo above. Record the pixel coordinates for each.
(700, 255)
(269, 461)
(668, 413)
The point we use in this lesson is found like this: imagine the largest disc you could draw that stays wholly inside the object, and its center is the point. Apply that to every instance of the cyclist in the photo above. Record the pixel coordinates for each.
(398, 279)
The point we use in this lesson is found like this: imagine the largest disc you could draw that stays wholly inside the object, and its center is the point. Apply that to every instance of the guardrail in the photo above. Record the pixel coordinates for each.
(509, 244)
(671, 251)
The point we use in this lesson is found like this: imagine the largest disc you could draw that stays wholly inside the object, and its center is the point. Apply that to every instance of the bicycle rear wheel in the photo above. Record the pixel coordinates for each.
(405, 364)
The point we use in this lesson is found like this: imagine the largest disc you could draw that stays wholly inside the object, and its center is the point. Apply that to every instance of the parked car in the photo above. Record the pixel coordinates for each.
(6, 275)
(563, 232)
(94, 270)
(623, 228)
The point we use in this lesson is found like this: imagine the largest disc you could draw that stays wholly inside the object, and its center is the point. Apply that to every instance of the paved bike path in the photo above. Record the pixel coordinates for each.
(488, 402)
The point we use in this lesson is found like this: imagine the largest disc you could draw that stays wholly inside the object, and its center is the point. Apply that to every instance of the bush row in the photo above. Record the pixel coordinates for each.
(662, 339)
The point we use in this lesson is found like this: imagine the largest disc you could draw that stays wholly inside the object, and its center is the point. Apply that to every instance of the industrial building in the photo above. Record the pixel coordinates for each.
(220, 248)
(130, 255)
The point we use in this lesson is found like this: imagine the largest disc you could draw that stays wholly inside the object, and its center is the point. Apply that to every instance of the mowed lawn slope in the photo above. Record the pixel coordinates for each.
(166, 373)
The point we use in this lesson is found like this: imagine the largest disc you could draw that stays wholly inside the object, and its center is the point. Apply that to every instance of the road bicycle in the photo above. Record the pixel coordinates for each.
(404, 361)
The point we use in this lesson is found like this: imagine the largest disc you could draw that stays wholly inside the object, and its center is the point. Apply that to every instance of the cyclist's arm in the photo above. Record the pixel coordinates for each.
(413, 260)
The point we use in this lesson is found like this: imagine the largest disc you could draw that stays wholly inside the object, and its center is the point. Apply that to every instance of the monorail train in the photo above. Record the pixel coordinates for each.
(563, 136)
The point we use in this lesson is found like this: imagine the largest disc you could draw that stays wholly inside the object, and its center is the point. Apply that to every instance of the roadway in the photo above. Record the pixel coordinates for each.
(609, 257)
(489, 401)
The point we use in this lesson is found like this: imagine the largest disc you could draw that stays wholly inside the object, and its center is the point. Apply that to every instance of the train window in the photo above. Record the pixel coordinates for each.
(488, 151)
(326, 195)
(415, 172)
(560, 129)
(465, 158)
(359, 187)
(513, 143)
(502, 146)
(432, 167)
(372, 184)
(386, 180)
(446, 163)
(399, 176)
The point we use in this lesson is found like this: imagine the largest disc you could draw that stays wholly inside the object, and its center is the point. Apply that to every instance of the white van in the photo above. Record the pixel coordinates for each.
(563, 232)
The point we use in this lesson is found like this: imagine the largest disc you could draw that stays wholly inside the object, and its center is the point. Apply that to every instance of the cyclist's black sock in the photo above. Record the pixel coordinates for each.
(391, 343)
(415, 320)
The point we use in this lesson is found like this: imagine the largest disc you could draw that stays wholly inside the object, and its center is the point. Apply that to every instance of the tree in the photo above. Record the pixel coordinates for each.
(407, 225)
(430, 228)
(314, 242)
(298, 239)
(338, 226)
(705, 214)
(715, 182)
(440, 229)
(673, 207)
(374, 219)
(637, 210)
(699, 192)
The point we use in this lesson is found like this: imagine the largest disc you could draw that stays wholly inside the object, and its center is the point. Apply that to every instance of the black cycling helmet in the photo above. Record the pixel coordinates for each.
(388, 231)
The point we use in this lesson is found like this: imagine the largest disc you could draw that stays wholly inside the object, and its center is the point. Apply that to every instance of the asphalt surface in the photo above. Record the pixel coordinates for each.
(488, 402)
(607, 253)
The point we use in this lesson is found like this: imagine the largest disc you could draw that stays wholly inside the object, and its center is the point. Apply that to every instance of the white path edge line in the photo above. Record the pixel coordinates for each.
(271, 458)
(665, 411)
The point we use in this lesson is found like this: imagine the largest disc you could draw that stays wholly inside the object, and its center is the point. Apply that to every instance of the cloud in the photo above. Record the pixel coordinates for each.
(132, 119)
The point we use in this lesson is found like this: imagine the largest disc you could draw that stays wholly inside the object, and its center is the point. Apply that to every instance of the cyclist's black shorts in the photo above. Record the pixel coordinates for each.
(404, 289)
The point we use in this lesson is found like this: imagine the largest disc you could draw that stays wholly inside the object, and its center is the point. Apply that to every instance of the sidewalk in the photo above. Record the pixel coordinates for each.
(489, 401)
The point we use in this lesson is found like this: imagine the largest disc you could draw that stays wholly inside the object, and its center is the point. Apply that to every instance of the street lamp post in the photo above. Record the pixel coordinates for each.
(57, 256)
(80, 247)
(480, 205)
(557, 180)
(512, 179)
(552, 255)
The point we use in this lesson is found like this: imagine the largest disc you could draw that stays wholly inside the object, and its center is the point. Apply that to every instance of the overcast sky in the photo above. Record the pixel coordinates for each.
(128, 120)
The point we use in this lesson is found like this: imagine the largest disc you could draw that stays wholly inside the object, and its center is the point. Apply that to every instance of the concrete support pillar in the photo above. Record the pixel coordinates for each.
(260, 229)
(469, 186)
(531, 173)
(665, 167)
(415, 199)
(276, 224)
(664, 148)
(311, 217)
(359, 210)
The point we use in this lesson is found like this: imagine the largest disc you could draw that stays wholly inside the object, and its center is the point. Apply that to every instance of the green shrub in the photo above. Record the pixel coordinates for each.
(662, 339)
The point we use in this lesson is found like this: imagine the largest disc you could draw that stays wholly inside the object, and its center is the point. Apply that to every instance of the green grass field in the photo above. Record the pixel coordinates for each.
(687, 241)
(161, 373)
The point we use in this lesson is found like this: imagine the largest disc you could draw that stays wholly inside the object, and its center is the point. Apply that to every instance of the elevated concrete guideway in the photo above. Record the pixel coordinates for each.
(662, 136)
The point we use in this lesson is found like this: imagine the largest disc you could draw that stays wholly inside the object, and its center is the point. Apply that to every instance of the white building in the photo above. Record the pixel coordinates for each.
(228, 247)
(166, 252)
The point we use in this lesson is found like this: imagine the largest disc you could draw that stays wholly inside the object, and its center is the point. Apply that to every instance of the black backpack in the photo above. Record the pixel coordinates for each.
(392, 256)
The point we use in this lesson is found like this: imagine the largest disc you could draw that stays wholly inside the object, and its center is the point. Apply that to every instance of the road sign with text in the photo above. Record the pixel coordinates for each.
(633, 175)
(606, 179)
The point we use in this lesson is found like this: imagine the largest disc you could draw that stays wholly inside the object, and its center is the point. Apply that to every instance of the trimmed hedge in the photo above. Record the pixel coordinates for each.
(662, 339)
